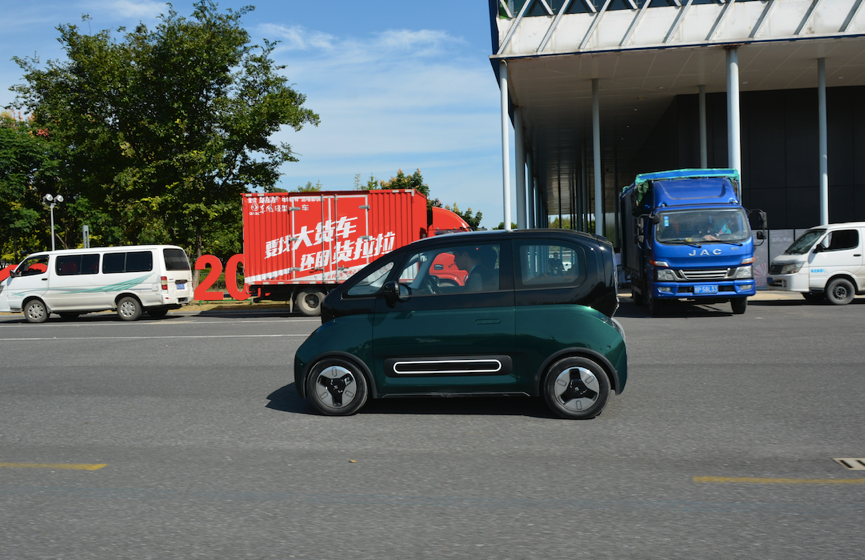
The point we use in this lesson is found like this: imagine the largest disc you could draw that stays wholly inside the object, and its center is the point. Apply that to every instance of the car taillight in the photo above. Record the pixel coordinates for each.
(165, 283)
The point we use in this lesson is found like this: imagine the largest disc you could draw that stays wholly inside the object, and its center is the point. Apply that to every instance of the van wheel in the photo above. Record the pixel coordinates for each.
(840, 291)
(336, 387)
(157, 312)
(128, 309)
(69, 316)
(576, 388)
(309, 303)
(35, 311)
(739, 305)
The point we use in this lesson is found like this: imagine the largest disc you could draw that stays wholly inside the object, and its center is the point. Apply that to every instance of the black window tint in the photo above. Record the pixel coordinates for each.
(89, 264)
(552, 265)
(843, 239)
(175, 259)
(71, 265)
(113, 263)
(139, 261)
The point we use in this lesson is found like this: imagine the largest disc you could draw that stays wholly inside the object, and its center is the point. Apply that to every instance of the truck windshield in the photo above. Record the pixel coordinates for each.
(805, 242)
(722, 225)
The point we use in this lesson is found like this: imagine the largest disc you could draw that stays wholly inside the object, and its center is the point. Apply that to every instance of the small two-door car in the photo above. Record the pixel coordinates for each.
(531, 314)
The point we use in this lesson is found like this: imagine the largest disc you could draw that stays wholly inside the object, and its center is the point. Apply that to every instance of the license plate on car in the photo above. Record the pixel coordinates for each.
(181, 286)
(705, 289)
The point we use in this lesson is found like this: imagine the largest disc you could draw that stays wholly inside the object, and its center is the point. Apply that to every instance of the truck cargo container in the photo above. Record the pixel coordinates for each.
(299, 246)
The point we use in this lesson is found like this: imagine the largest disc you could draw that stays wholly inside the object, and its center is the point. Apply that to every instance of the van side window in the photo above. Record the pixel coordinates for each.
(551, 266)
(138, 261)
(842, 239)
(73, 265)
(33, 266)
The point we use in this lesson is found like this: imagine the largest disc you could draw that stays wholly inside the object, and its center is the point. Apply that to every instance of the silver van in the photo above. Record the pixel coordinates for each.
(149, 278)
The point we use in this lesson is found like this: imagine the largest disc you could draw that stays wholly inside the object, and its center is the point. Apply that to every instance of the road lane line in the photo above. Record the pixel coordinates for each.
(171, 337)
(746, 480)
(68, 466)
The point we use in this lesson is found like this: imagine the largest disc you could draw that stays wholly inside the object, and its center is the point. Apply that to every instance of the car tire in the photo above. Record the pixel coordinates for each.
(739, 305)
(157, 312)
(129, 309)
(35, 311)
(69, 316)
(576, 388)
(636, 296)
(814, 297)
(840, 291)
(336, 387)
(309, 303)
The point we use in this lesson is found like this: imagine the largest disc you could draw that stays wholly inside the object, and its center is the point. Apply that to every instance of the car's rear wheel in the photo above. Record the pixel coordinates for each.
(309, 303)
(128, 309)
(336, 387)
(576, 388)
(35, 311)
(840, 291)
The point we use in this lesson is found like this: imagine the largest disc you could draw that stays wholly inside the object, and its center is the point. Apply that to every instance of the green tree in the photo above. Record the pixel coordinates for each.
(164, 129)
(403, 181)
(309, 187)
(502, 225)
(474, 222)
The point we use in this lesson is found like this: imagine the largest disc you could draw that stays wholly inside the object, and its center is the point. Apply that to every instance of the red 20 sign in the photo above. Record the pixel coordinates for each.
(203, 262)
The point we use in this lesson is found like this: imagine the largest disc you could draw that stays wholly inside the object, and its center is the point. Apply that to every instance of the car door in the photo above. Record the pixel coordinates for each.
(445, 339)
(839, 252)
(29, 279)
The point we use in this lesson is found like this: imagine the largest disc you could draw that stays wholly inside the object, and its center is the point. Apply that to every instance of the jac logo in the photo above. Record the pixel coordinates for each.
(705, 253)
(818, 270)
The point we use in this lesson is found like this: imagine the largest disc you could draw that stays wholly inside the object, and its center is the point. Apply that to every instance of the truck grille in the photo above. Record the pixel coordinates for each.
(717, 274)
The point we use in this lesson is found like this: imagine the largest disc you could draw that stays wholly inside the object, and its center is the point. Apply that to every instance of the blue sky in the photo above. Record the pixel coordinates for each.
(398, 84)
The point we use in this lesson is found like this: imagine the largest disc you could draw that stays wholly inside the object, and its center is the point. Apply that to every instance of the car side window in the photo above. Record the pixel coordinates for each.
(452, 270)
(34, 266)
(841, 240)
(550, 265)
(73, 265)
(372, 283)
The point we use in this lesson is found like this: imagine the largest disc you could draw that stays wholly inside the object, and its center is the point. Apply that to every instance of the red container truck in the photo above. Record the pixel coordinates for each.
(299, 246)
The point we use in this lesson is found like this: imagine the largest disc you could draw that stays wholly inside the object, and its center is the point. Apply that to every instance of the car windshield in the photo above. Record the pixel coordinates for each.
(805, 242)
(724, 225)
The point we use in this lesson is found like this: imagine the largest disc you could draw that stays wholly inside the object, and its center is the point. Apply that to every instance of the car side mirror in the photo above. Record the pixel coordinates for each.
(818, 249)
(395, 291)
(761, 235)
(655, 219)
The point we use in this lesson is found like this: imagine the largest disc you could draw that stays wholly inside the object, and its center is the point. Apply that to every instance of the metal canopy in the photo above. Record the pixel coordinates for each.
(668, 51)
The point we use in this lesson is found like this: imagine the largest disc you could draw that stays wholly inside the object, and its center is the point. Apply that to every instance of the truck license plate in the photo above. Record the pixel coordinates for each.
(705, 289)
(181, 286)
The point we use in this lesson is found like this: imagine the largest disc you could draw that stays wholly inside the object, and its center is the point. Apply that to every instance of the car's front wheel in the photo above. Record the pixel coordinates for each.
(576, 388)
(336, 387)
(840, 291)
(35, 311)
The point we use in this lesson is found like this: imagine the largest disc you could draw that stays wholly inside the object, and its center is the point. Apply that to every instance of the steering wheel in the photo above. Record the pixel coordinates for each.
(429, 285)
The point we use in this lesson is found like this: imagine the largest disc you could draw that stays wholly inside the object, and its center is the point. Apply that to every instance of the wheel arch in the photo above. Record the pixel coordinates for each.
(127, 294)
(857, 289)
(300, 382)
(28, 299)
(576, 352)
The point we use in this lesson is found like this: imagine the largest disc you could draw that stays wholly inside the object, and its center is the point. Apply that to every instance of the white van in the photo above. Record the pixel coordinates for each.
(824, 262)
(150, 278)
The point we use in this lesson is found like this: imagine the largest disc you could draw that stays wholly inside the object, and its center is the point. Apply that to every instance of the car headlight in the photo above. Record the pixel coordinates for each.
(744, 272)
(791, 268)
(665, 275)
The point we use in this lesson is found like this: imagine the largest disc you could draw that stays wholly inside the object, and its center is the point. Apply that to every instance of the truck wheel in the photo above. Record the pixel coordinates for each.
(636, 296)
(656, 307)
(128, 309)
(739, 305)
(35, 311)
(840, 291)
(309, 303)
(814, 297)
(336, 387)
(576, 388)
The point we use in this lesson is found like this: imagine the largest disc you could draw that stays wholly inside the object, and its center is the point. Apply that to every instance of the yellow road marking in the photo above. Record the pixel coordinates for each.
(744, 480)
(70, 466)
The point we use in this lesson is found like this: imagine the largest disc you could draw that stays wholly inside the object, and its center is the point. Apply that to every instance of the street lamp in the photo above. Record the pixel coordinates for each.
(52, 201)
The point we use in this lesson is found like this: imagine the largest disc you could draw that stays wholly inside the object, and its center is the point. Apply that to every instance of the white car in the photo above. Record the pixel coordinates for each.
(824, 262)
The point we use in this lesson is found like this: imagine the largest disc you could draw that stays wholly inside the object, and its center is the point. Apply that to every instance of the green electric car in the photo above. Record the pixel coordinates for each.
(516, 313)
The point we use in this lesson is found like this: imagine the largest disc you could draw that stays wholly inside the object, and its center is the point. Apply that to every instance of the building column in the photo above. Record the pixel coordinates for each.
(530, 175)
(824, 143)
(520, 157)
(734, 146)
(704, 150)
(596, 145)
(506, 148)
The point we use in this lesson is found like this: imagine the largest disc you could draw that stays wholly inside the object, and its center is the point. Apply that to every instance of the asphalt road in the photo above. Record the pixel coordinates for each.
(721, 446)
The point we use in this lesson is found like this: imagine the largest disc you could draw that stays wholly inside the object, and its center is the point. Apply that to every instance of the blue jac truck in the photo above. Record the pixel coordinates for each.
(686, 237)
